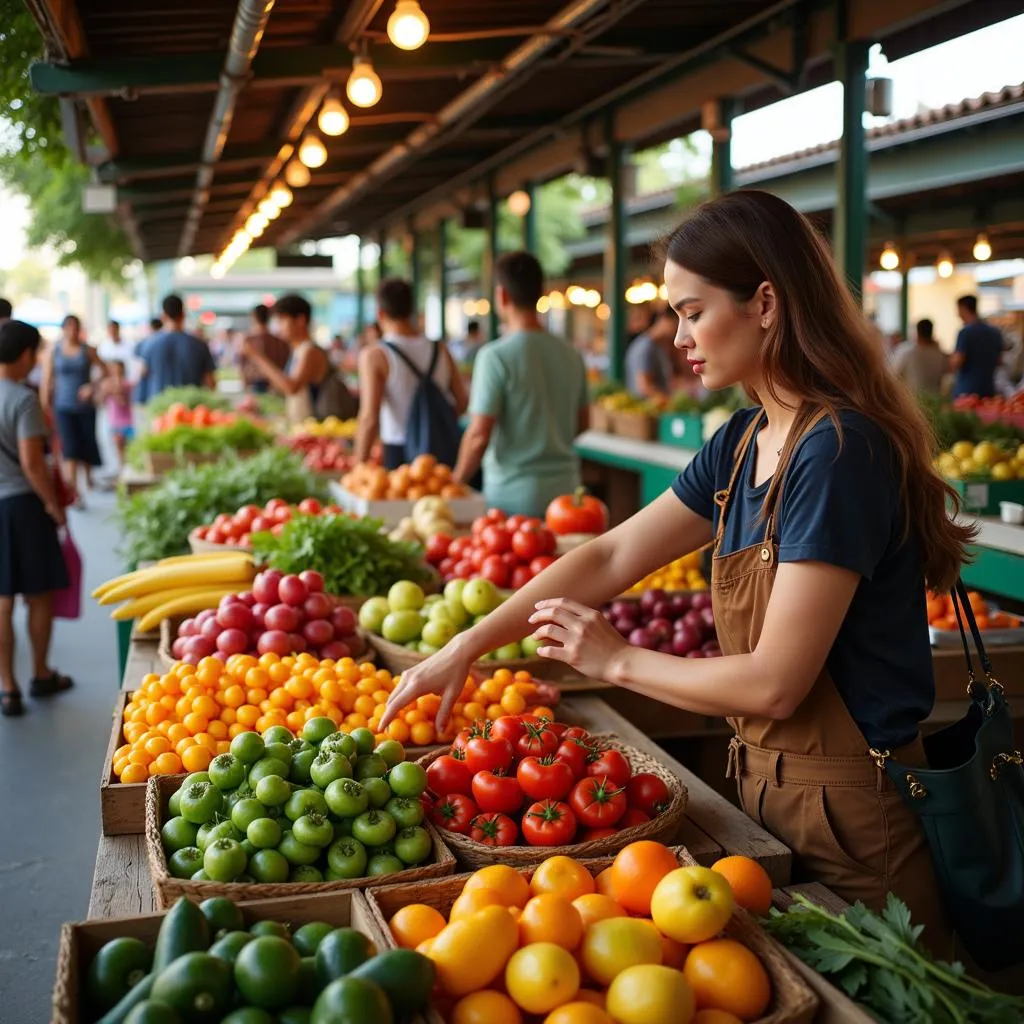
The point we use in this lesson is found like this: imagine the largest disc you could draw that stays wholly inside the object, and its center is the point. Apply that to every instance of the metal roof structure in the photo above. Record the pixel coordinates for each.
(200, 104)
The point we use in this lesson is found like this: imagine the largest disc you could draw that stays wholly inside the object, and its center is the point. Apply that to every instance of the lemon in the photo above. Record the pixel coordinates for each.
(963, 450)
(968, 467)
(1003, 471)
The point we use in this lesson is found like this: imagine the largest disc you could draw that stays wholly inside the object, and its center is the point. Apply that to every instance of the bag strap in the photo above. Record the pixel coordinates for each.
(962, 607)
(420, 375)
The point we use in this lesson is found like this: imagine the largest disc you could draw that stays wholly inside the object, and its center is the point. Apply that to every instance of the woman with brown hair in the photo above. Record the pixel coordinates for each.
(828, 521)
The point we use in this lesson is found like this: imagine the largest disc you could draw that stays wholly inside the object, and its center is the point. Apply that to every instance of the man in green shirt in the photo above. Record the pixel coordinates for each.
(528, 401)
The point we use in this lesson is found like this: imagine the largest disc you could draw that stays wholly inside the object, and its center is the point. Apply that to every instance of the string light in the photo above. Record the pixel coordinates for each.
(982, 248)
(312, 152)
(557, 300)
(363, 87)
(333, 119)
(944, 268)
(408, 26)
(543, 304)
(281, 195)
(890, 258)
(269, 209)
(297, 174)
(519, 203)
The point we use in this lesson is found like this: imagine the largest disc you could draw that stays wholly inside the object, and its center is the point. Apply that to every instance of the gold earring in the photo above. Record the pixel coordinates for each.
(764, 324)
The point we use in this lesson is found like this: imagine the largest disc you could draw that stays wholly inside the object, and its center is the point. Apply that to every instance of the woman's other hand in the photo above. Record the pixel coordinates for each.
(443, 673)
(579, 636)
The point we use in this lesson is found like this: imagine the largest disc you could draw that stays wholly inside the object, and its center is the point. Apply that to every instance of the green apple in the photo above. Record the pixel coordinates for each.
(406, 596)
(433, 599)
(425, 648)
(480, 597)
(456, 611)
(453, 590)
(477, 619)
(440, 612)
(402, 626)
(508, 653)
(371, 615)
(437, 632)
(412, 645)
(530, 645)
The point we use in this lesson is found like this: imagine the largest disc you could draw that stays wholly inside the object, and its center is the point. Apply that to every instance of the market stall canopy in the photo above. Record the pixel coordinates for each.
(200, 107)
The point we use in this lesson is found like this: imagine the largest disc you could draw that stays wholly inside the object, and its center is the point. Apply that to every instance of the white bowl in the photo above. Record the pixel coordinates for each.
(1011, 512)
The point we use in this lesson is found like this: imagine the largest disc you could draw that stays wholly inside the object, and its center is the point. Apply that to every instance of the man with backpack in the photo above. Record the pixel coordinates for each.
(410, 391)
(529, 401)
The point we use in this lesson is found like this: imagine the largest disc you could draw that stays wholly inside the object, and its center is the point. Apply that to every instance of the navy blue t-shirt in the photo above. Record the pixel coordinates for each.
(175, 359)
(981, 345)
(841, 504)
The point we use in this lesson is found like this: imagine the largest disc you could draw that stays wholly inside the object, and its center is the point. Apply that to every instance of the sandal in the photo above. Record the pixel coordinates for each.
(11, 704)
(48, 687)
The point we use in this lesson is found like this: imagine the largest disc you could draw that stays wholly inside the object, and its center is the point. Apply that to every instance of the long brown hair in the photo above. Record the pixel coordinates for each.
(820, 347)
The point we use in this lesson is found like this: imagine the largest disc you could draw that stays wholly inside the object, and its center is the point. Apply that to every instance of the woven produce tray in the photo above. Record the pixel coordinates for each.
(396, 658)
(793, 1000)
(166, 888)
(663, 828)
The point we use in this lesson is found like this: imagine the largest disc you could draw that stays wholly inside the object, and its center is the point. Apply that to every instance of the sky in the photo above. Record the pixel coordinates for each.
(980, 62)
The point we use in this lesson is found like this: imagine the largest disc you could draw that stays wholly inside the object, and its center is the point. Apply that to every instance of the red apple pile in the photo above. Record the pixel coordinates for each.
(280, 615)
(680, 624)
(236, 529)
(322, 454)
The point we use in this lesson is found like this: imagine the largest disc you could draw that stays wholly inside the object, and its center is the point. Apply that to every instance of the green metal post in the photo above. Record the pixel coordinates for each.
(530, 220)
(415, 267)
(721, 149)
(905, 303)
(850, 229)
(382, 258)
(491, 259)
(616, 256)
(442, 275)
(360, 291)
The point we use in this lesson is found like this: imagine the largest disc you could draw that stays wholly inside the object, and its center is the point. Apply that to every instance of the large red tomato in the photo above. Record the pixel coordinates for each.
(549, 823)
(597, 803)
(577, 513)
(544, 778)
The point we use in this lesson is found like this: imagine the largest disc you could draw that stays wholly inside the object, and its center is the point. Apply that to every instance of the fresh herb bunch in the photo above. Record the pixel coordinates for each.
(155, 523)
(241, 436)
(878, 960)
(353, 555)
(190, 397)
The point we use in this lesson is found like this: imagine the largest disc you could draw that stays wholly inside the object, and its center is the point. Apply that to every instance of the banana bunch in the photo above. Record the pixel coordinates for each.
(181, 585)
(330, 427)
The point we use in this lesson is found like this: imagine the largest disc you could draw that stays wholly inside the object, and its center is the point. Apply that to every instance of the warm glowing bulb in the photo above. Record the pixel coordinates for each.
(663, 292)
(604, 311)
(297, 174)
(217, 270)
(469, 307)
(557, 300)
(576, 295)
(408, 26)
(333, 119)
(944, 267)
(281, 195)
(890, 258)
(982, 249)
(543, 304)
(592, 298)
(312, 152)
(519, 203)
(363, 87)
(269, 208)
(256, 225)
(483, 307)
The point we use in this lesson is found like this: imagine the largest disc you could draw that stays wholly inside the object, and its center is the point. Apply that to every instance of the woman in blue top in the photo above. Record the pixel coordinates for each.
(828, 521)
(68, 390)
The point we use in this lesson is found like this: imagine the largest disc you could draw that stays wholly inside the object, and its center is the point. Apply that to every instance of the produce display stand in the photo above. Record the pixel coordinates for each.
(392, 512)
(998, 565)
(132, 480)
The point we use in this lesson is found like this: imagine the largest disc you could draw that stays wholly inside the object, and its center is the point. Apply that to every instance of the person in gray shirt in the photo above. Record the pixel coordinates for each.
(649, 367)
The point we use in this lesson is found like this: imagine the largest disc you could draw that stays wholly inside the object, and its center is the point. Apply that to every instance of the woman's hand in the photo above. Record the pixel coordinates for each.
(443, 673)
(584, 638)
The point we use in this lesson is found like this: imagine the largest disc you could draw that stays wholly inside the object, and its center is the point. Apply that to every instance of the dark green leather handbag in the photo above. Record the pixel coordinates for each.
(971, 803)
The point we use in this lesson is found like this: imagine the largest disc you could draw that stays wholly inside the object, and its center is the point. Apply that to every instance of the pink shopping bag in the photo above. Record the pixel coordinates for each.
(67, 603)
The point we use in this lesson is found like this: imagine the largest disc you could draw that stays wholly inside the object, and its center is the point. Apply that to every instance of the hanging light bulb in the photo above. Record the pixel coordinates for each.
(269, 208)
(408, 26)
(297, 174)
(312, 152)
(256, 225)
(281, 195)
(363, 87)
(543, 304)
(519, 203)
(890, 258)
(603, 311)
(944, 268)
(982, 248)
(217, 270)
(333, 119)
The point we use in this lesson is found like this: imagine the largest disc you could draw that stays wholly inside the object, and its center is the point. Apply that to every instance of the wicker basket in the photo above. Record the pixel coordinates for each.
(637, 425)
(396, 658)
(198, 546)
(663, 828)
(167, 888)
(601, 419)
(793, 1001)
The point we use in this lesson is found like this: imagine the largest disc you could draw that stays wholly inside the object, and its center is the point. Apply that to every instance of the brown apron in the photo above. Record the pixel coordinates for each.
(810, 779)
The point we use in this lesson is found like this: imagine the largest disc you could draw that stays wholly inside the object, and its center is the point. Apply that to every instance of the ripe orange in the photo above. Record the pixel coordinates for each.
(506, 881)
(196, 758)
(636, 871)
(725, 975)
(550, 918)
(603, 884)
(579, 1011)
(562, 876)
(750, 884)
(594, 906)
(134, 773)
(715, 1017)
(469, 901)
(415, 924)
(486, 1007)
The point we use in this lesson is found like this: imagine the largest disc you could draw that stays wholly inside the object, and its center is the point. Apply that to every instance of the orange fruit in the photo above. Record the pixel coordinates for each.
(486, 1007)
(725, 975)
(673, 954)
(636, 871)
(594, 906)
(469, 901)
(196, 758)
(134, 773)
(415, 924)
(507, 882)
(422, 734)
(579, 1011)
(715, 1017)
(550, 918)
(166, 764)
(603, 884)
(588, 995)
(750, 884)
(562, 876)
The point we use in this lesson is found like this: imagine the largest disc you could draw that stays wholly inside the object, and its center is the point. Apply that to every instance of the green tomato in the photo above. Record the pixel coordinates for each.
(200, 876)
(313, 830)
(278, 734)
(509, 652)
(407, 811)
(388, 847)
(408, 779)
(374, 827)
(342, 743)
(346, 858)
(413, 845)
(263, 833)
(227, 772)
(281, 751)
(392, 751)
(247, 811)
(174, 803)
(250, 849)
(248, 747)
(222, 915)
(328, 766)
(296, 852)
(269, 866)
(224, 830)
(267, 972)
(384, 864)
(177, 833)
(244, 1015)
(267, 766)
(203, 837)
(228, 946)
(316, 730)
(305, 801)
(277, 929)
(273, 791)
(378, 791)
(364, 740)
(307, 938)
(343, 828)
(118, 966)
(201, 802)
(184, 863)
(302, 762)
(234, 796)
(346, 798)
(224, 860)
(370, 766)
(306, 873)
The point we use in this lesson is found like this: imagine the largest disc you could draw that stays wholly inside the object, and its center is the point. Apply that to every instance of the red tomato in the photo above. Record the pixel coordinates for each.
(500, 793)
(494, 830)
(538, 740)
(540, 563)
(514, 522)
(494, 569)
(632, 816)
(597, 802)
(476, 558)
(481, 727)
(508, 727)
(526, 543)
(216, 535)
(274, 504)
(648, 793)
(521, 575)
(446, 567)
(549, 823)
(496, 539)
(283, 515)
(577, 513)
(510, 559)
(310, 507)
(459, 547)
(449, 774)
(260, 525)
(438, 547)
(574, 752)
(488, 755)
(454, 812)
(463, 570)
(576, 732)
(549, 542)
(545, 778)
(611, 764)
(596, 833)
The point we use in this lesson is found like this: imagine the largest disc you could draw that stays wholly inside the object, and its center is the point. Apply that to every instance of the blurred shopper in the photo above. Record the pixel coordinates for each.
(979, 348)
(390, 374)
(173, 358)
(6, 311)
(261, 340)
(528, 402)
(465, 349)
(921, 364)
(31, 563)
(649, 368)
(69, 391)
(116, 394)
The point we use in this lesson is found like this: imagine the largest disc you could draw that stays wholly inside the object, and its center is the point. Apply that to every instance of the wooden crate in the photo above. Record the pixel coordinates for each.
(637, 425)
(80, 942)
(601, 419)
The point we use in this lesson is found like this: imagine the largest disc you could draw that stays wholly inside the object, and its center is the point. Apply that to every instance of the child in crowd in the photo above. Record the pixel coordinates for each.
(117, 396)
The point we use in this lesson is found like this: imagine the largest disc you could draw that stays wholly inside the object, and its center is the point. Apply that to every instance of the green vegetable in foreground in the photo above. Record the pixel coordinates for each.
(878, 960)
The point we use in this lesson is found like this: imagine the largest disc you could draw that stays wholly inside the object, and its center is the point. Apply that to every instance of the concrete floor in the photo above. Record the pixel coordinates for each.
(50, 763)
